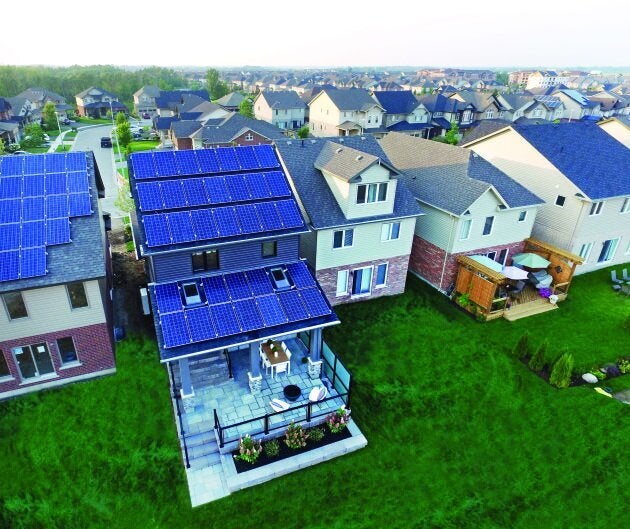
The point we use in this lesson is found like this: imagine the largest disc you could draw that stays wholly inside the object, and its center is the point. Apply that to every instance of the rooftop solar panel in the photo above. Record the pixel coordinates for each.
(34, 165)
(300, 275)
(215, 289)
(203, 224)
(186, 161)
(246, 158)
(314, 301)
(266, 156)
(78, 182)
(33, 208)
(277, 183)
(227, 159)
(289, 214)
(181, 227)
(259, 282)
(248, 314)
(257, 185)
(238, 188)
(80, 204)
(57, 206)
(248, 218)
(33, 234)
(9, 236)
(271, 310)
(149, 196)
(237, 286)
(173, 194)
(75, 161)
(168, 298)
(174, 329)
(56, 183)
(268, 215)
(195, 192)
(156, 229)
(200, 324)
(9, 265)
(32, 262)
(57, 231)
(33, 186)
(10, 210)
(55, 163)
(13, 165)
(10, 187)
(143, 167)
(292, 305)
(226, 222)
(208, 161)
(164, 162)
(217, 190)
(224, 319)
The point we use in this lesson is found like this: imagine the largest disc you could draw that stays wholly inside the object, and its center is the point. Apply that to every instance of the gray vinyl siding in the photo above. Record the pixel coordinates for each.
(234, 257)
(436, 227)
(308, 247)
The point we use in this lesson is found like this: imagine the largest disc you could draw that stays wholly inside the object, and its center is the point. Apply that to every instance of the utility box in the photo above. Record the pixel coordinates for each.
(144, 297)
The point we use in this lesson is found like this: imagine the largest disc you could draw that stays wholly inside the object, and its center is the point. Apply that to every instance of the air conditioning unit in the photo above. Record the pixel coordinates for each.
(144, 298)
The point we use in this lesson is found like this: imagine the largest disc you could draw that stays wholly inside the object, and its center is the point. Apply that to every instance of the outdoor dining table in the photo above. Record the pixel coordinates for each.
(276, 357)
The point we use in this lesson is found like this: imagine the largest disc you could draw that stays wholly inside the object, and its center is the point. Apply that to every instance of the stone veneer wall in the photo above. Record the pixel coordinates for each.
(427, 260)
(396, 277)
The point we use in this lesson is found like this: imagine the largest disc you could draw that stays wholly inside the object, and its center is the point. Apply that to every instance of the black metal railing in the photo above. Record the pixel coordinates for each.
(228, 360)
(177, 398)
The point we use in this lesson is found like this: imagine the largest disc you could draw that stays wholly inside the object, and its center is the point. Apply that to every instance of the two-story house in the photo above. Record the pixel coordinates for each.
(144, 100)
(235, 129)
(581, 172)
(485, 105)
(96, 102)
(345, 112)
(360, 212)
(576, 105)
(285, 110)
(55, 275)
(470, 206)
(445, 111)
(231, 101)
(548, 108)
(403, 112)
(10, 131)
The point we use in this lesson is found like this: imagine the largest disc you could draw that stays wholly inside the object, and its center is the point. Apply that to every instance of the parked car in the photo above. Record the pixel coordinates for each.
(146, 116)
(106, 141)
(136, 134)
(21, 152)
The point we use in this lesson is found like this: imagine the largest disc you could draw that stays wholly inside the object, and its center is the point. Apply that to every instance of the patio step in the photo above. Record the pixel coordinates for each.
(204, 454)
(529, 309)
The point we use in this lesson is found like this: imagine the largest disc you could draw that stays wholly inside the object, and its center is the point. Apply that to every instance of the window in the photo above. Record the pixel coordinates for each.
(77, 295)
(502, 256)
(249, 137)
(585, 250)
(33, 360)
(608, 250)
(381, 275)
(368, 193)
(67, 350)
(270, 248)
(560, 200)
(491, 255)
(279, 279)
(625, 207)
(487, 227)
(522, 216)
(362, 281)
(343, 238)
(342, 282)
(14, 302)
(464, 233)
(191, 293)
(208, 260)
(596, 208)
(489, 114)
(390, 231)
(4, 367)
(628, 249)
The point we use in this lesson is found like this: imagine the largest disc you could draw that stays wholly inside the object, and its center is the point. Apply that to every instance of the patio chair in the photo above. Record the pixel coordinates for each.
(614, 279)
(279, 405)
(286, 350)
(281, 367)
(317, 394)
(624, 274)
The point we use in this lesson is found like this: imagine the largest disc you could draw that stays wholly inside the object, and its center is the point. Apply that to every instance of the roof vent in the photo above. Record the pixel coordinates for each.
(289, 143)
(359, 158)
(338, 150)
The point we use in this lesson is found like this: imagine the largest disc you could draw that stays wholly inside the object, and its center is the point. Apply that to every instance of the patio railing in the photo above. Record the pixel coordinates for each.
(176, 399)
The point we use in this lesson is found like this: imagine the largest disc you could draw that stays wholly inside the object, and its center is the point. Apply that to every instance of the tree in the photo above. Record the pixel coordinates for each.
(537, 361)
(49, 115)
(521, 349)
(121, 118)
(216, 87)
(303, 132)
(502, 78)
(562, 371)
(123, 131)
(33, 135)
(246, 108)
(452, 136)
(1, 146)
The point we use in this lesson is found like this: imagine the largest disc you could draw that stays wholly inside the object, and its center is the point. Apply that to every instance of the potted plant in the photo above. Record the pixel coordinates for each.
(338, 420)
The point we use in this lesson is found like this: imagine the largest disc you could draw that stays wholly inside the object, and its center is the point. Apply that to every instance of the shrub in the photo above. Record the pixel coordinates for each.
(249, 449)
(272, 448)
(129, 246)
(316, 434)
(338, 420)
(624, 365)
(562, 370)
(127, 232)
(521, 349)
(595, 371)
(295, 436)
(537, 361)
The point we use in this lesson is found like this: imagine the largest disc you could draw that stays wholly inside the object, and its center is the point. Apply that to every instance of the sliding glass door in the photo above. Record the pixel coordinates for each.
(362, 281)
(33, 360)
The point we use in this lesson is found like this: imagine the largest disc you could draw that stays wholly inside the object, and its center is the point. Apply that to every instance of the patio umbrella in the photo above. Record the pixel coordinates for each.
(512, 272)
(486, 261)
(530, 260)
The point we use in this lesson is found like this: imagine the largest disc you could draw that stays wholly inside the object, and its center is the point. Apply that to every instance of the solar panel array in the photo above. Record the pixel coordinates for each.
(237, 303)
(212, 194)
(38, 196)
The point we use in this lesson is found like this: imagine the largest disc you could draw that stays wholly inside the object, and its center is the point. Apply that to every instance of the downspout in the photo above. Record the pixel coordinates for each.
(446, 254)
(578, 222)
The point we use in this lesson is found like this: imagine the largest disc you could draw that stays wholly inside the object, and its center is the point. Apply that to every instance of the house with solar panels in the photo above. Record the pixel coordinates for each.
(219, 230)
(55, 280)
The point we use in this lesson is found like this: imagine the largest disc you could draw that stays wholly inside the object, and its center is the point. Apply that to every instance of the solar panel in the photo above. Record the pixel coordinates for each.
(173, 194)
(292, 305)
(237, 286)
(33, 234)
(33, 185)
(9, 265)
(203, 224)
(277, 183)
(187, 162)
(55, 163)
(57, 231)
(271, 310)
(226, 222)
(224, 318)
(266, 156)
(57, 206)
(143, 167)
(33, 208)
(246, 158)
(9, 236)
(257, 185)
(215, 289)
(13, 165)
(314, 301)
(181, 226)
(10, 210)
(56, 183)
(149, 196)
(200, 324)
(174, 329)
(268, 215)
(195, 192)
(10, 187)
(78, 182)
(156, 229)
(164, 162)
(259, 282)
(248, 219)
(238, 188)
(248, 315)
(75, 161)
(300, 275)
(227, 159)
(217, 190)
(80, 204)
(208, 162)
(168, 298)
(32, 262)
(289, 213)
(34, 165)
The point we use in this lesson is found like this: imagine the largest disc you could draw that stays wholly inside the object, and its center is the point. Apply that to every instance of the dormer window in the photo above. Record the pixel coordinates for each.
(191, 293)
(368, 193)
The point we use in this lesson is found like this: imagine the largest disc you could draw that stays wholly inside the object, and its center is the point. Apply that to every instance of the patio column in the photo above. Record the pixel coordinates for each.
(254, 359)
(184, 376)
(315, 346)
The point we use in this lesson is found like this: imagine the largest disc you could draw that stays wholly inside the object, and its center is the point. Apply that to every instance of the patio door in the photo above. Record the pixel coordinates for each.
(362, 281)
(33, 360)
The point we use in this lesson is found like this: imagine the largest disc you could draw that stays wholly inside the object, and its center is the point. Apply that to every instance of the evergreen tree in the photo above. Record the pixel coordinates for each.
(562, 370)
(537, 361)
(49, 115)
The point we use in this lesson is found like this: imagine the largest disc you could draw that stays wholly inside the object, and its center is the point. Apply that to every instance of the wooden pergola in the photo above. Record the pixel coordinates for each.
(562, 267)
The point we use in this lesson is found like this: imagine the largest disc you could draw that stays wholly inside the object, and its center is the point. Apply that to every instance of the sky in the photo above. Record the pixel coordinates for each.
(322, 33)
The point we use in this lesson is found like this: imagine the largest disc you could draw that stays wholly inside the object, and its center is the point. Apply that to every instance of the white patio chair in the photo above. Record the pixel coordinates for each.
(286, 350)
(282, 367)
(317, 394)
(624, 274)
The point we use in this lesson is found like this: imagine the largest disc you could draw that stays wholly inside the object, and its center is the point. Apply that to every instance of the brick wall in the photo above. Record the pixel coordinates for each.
(94, 347)
(396, 276)
(427, 260)
(182, 143)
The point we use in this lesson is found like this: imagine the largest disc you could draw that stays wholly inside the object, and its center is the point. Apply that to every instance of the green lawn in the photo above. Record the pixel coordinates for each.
(93, 121)
(143, 145)
(460, 434)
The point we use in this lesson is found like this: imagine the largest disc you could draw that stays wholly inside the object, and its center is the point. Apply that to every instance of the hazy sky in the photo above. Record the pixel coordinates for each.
(550, 33)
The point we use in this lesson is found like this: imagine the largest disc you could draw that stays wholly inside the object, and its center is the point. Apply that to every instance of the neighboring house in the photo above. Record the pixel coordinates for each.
(169, 101)
(345, 112)
(485, 105)
(182, 133)
(470, 206)
(231, 101)
(576, 104)
(96, 103)
(582, 174)
(445, 111)
(23, 109)
(10, 130)
(403, 112)
(144, 100)
(548, 108)
(360, 213)
(285, 110)
(55, 273)
(235, 129)
(618, 127)
(515, 106)
(38, 97)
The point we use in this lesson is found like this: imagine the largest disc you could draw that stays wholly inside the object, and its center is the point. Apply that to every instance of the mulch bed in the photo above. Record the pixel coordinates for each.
(285, 451)
(576, 379)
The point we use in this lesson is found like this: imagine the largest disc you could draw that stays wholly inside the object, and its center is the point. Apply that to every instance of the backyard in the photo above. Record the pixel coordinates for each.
(460, 433)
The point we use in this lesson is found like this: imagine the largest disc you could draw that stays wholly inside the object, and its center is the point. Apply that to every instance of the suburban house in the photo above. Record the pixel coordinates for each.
(55, 273)
(10, 125)
(96, 103)
(168, 102)
(445, 111)
(618, 127)
(231, 101)
(285, 110)
(545, 79)
(219, 231)
(235, 129)
(471, 207)
(360, 213)
(345, 112)
(581, 172)
(545, 107)
(485, 105)
(403, 112)
(576, 105)
(37, 98)
(144, 100)
(514, 106)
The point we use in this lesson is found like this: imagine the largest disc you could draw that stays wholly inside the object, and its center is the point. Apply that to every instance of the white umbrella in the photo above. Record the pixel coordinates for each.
(513, 272)
(487, 262)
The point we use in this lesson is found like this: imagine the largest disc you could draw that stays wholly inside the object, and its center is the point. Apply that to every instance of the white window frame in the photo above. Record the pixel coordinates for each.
(625, 207)
(345, 275)
(628, 249)
(491, 226)
(376, 195)
(522, 214)
(610, 254)
(343, 239)
(249, 137)
(489, 114)
(461, 231)
(596, 208)
(369, 292)
(387, 231)
(376, 268)
(585, 250)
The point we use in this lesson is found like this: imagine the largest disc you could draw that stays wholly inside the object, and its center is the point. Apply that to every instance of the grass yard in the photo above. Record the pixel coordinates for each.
(460, 434)
(93, 121)
(143, 145)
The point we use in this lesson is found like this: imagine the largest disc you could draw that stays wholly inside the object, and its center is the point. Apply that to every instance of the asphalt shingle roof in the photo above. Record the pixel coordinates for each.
(351, 98)
(343, 162)
(283, 100)
(397, 101)
(185, 129)
(233, 124)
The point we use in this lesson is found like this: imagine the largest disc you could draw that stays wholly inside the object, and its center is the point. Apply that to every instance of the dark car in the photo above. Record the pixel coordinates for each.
(146, 116)
(106, 141)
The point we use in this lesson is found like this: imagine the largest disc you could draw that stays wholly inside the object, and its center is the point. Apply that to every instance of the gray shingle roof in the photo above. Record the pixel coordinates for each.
(235, 123)
(342, 161)
(351, 98)
(185, 129)
(283, 100)
(233, 99)
(321, 206)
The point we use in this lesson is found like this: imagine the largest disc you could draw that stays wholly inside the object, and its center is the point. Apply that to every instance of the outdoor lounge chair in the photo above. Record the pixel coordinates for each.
(520, 285)
(624, 274)
(279, 405)
(317, 394)
(614, 279)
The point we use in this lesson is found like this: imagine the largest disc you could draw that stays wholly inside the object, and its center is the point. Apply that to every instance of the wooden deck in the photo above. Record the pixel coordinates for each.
(529, 303)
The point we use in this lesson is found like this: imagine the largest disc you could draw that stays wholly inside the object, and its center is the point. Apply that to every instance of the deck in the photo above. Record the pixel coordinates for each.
(529, 303)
